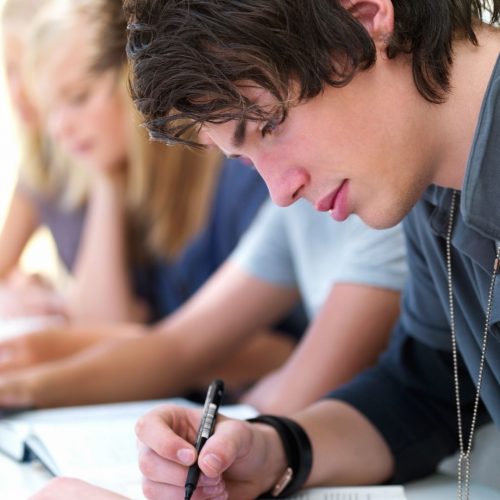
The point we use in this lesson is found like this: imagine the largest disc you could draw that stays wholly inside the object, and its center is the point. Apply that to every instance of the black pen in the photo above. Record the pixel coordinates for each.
(206, 429)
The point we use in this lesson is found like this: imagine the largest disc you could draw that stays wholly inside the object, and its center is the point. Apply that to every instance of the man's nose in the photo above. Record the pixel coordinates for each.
(286, 184)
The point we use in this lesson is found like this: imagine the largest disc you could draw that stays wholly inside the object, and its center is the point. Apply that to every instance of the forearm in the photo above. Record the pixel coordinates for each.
(101, 289)
(229, 309)
(347, 336)
(20, 223)
(264, 352)
(135, 366)
(347, 448)
(175, 355)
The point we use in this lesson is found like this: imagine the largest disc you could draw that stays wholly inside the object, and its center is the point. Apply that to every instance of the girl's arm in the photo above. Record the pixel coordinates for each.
(174, 357)
(22, 295)
(20, 224)
(102, 289)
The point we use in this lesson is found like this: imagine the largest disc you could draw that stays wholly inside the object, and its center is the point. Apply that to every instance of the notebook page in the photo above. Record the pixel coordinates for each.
(12, 437)
(92, 451)
(13, 327)
(98, 443)
(353, 493)
(111, 411)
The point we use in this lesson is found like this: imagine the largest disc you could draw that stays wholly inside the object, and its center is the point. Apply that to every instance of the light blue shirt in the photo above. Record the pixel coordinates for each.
(302, 248)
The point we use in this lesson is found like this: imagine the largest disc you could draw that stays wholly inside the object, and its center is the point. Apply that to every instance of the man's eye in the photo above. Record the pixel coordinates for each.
(270, 126)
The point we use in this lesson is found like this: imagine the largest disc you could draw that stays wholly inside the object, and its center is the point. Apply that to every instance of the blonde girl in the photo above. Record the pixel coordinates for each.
(159, 222)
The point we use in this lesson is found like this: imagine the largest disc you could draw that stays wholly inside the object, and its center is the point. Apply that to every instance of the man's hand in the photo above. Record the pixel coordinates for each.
(240, 461)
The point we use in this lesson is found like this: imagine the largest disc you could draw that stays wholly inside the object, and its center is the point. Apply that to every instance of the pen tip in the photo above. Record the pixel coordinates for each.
(189, 492)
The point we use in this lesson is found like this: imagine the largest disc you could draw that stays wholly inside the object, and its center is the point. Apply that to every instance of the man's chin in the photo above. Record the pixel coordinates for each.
(382, 219)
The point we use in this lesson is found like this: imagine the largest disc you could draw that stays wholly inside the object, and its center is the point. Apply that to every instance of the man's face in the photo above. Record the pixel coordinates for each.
(358, 149)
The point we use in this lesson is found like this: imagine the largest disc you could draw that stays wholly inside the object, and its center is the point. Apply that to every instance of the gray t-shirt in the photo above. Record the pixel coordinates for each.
(300, 247)
(65, 224)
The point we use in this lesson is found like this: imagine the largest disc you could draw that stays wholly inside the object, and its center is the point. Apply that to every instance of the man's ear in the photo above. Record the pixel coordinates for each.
(377, 16)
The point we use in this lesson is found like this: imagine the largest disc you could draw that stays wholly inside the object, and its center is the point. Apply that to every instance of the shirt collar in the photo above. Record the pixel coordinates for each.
(480, 196)
(480, 200)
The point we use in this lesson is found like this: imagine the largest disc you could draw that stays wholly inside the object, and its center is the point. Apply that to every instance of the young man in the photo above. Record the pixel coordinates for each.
(233, 312)
(359, 106)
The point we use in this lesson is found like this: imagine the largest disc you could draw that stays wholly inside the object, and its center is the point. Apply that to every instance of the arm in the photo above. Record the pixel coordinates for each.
(20, 223)
(265, 351)
(20, 294)
(64, 487)
(168, 360)
(347, 449)
(102, 290)
(349, 333)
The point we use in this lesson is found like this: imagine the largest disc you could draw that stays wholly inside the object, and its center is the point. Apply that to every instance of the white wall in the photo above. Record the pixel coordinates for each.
(40, 254)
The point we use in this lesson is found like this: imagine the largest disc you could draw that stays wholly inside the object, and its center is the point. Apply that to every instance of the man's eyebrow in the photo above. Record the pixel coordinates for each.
(239, 133)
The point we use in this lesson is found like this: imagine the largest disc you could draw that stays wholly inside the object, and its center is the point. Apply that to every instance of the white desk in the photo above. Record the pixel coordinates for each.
(19, 481)
(443, 487)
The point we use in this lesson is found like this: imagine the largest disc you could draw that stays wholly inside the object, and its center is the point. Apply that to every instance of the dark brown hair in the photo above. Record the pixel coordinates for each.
(189, 56)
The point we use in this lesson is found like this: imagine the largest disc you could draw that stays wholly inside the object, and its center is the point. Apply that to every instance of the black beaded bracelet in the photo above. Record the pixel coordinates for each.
(298, 451)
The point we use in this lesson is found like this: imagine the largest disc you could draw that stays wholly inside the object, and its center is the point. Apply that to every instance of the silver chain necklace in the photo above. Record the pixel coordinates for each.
(463, 466)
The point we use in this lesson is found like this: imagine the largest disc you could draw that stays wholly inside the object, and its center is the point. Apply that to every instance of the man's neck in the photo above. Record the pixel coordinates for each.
(457, 117)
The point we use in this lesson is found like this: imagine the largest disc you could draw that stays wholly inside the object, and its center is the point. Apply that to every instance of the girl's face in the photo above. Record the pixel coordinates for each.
(85, 112)
(16, 81)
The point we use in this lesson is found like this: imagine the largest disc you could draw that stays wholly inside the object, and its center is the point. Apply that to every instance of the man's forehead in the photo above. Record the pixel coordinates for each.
(260, 105)
(227, 136)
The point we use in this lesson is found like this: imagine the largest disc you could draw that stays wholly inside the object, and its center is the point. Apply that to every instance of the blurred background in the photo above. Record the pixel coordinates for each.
(39, 255)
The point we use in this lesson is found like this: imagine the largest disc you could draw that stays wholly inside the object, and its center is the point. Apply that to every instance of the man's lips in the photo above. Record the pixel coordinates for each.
(328, 202)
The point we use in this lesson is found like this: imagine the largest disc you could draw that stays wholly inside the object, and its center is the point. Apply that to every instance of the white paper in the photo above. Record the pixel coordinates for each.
(13, 327)
(93, 443)
(353, 493)
(98, 444)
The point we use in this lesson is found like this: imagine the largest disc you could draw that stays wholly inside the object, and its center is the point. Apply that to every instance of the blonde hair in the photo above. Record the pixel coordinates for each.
(168, 189)
(43, 168)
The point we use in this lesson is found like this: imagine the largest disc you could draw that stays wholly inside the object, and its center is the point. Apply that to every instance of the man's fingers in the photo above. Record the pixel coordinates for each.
(156, 468)
(231, 441)
(169, 431)
(153, 491)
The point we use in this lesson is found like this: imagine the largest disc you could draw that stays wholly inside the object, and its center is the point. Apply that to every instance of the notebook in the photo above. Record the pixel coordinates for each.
(94, 443)
(353, 493)
(106, 456)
